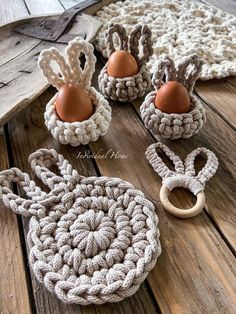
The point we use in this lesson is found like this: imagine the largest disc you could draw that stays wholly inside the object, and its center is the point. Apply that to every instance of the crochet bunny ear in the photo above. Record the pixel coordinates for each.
(188, 71)
(74, 50)
(157, 163)
(42, 159)
(207, 171)
(18, 204)
(46, 58)
(123, 38)
(164, 67)
(141, 38)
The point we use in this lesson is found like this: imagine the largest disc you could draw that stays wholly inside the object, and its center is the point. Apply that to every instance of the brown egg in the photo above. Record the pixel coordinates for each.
(73, 103)
(173, 97)
(122, 64)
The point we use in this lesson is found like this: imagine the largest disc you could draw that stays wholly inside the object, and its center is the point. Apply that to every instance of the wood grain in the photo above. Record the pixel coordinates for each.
(44, 7)
(28, 133)
(194, 254)
(220, 95)
(12, 10)
(14, 296)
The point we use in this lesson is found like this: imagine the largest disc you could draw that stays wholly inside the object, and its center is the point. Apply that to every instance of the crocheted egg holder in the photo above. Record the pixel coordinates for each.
(183, 176)
(74, 133)
(172, 125)
(179, 28)
(91, 240)
(133, 87)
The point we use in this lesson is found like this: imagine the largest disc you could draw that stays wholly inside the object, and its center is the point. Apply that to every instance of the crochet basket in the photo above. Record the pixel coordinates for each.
(172, 125)
(133, 87)
(91, 240)
(74, 133)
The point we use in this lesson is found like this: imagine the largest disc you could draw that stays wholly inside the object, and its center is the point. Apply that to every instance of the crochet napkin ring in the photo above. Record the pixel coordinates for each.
(71, 72)
(173, 125)
(132, 87)
(183, 176)
(91, 240)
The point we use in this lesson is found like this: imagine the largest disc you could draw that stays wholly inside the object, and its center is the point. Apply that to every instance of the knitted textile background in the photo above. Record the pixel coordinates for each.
(179, 28)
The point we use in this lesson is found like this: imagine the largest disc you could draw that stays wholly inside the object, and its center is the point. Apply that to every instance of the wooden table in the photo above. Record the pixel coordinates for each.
(196, 273)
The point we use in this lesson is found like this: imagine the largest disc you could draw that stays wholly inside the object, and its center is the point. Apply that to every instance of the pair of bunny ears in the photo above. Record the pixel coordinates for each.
(186, 71)
(141, 35)
(38, 200)
(183, 176)
(70, 70)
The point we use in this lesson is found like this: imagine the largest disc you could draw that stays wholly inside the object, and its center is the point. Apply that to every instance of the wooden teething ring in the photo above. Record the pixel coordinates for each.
(181, 212)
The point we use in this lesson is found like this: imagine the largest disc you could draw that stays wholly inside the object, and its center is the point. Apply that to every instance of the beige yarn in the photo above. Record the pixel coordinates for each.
(179, 28)
(184, 174)
(74, 133)
(174, 126)
(91, 240)
(133, 87)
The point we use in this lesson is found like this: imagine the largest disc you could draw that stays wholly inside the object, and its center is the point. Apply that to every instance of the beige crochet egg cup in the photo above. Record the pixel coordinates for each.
(74, 133)
(133, 87)
(183, 176)
(91, 240)
(172, 125)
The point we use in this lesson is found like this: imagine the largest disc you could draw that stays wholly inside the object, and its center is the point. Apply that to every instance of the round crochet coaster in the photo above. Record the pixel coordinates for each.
(179, 28)
(74, 133)
(91, 240)
(183, 176)
(133, 87)
(173, 125)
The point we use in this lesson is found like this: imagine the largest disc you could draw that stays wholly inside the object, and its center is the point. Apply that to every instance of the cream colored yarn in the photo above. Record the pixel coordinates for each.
(91, 240)
(133, 87)
(174, 126)
(74, 133)
(184, 174)
(179, 28)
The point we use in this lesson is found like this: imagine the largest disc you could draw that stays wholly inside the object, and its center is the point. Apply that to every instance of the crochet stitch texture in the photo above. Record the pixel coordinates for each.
(74, 133)
(179, 28)
(133, 87)
(173, 125)
(91, 240)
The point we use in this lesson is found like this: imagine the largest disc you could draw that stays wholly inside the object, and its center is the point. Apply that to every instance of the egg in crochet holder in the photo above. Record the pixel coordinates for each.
(172, 110)
(91, 240)
(125, 76)
(77, 114)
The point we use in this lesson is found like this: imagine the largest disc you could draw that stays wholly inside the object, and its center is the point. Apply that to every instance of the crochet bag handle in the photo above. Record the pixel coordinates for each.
(183, 176)
(164, 67)
(70, 70)
(123, 38)
(143, 35)
(188, 70)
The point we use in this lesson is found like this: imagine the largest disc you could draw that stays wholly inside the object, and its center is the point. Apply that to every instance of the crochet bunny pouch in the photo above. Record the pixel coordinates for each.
(91, 240)
(174, 125)
(129, 78)
(183, 176)
(71, 72)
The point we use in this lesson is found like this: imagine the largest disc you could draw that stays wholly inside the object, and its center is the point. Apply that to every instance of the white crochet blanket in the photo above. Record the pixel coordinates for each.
(180, 28)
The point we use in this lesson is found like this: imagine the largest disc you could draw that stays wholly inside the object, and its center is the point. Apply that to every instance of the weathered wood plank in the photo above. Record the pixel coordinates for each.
(14, 297)
(69, 3)
(44, 7)
(194, 254)
(220, 95)
(11, 10)
(225, 5)
(28, 133)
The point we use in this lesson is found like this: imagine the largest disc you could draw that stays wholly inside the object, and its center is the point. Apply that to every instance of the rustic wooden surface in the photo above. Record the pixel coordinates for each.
(196, 272)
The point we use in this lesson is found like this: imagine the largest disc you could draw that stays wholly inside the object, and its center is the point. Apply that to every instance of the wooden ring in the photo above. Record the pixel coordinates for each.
(181, 212)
